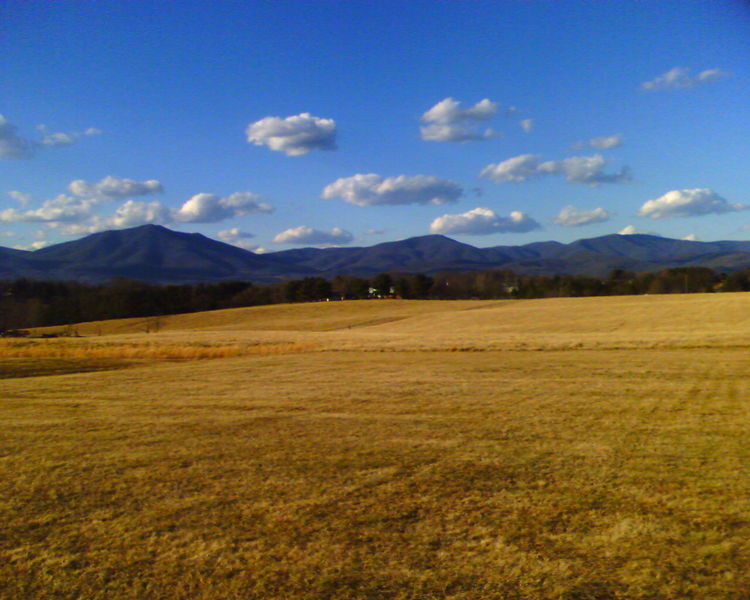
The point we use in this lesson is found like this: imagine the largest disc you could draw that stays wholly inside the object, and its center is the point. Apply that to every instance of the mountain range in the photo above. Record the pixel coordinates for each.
(156, 254)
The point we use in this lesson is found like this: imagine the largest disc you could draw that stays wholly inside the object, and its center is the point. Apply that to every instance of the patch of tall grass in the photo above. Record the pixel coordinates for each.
(151, 351)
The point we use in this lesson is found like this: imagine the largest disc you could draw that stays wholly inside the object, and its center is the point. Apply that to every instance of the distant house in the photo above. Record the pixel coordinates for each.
(376, 293)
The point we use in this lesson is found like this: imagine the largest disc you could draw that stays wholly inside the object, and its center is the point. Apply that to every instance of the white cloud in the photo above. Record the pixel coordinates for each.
(604, 142)
(448, 122)
(62, 208)
(690, 237)
(307, 235)
(449, 111)
(570, 216)
(57, 139)
(576, 169)
(13, 145)
(688, 203)
(40, 241)
(238, 238)
(679, 78)
(22, 198)
(527, 125)
(35, 245)
(371, 190)
(234, 233)
(456, 133)
(54, 140)
(483, 221)
(631, 230)
(295, 135)
(71, 215)
(584, 169)
(93, 224)
(114, 188)
(133, 213)
(518, 168)
(210, 208)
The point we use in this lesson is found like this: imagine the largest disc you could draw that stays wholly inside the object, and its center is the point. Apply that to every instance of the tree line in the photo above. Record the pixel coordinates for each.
(28, 303)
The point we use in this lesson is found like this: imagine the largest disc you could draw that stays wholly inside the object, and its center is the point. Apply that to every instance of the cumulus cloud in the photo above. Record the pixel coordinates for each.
(62, 208)
(448, 122)
(295, 135)
(518, 168)
(13, 145)
(93, 224)
(134, 212)
(307, 235)
(690, 237)
(483, 221)
(114, 188)
(570, 216)
(631, 230)
(588, 170)
(371, 190)
(456, 133)
(238, 238)
(210, 208)
(688, 203)
(449, 111)
(679, 78)
(74, 215)
(527, 125)
(584, 169)
(40, 241)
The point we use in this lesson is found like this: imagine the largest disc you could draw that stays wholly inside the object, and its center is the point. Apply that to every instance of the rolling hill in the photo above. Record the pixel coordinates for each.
(156, 254)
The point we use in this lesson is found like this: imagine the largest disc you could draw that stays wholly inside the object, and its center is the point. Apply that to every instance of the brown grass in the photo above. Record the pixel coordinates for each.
(597, 471)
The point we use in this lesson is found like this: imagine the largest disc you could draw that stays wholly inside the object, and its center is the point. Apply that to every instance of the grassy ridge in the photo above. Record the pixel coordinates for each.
(339, 472)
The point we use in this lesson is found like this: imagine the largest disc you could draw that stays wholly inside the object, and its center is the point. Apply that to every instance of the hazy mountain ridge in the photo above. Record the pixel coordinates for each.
(156, 254)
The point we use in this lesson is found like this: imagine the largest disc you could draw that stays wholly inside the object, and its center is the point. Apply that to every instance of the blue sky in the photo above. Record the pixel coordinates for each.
(278, 124)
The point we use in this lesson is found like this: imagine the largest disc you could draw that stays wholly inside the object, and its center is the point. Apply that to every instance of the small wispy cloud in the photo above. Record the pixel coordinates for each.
(115, 188)
(13, 145)
(679, 78)
(570, 216)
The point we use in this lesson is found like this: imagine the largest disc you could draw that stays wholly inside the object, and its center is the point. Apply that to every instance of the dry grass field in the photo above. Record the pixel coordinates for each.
(571, 449)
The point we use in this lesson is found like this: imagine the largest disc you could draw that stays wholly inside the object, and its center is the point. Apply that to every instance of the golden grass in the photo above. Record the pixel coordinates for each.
(613, 467)
(318, 316)
(86, 349)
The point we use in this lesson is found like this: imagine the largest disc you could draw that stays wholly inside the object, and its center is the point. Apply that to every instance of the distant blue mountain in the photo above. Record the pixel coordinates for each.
(156, 254)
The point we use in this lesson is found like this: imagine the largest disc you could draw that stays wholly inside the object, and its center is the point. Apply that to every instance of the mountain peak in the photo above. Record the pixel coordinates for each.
(157, 254)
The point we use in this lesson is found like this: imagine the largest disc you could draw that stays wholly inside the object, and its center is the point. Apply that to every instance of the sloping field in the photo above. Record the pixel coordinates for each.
(317, 316)
(680, 320)
(593, 448)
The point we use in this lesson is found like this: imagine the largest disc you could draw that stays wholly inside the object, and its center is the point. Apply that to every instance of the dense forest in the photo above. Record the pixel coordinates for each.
(26, 303)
